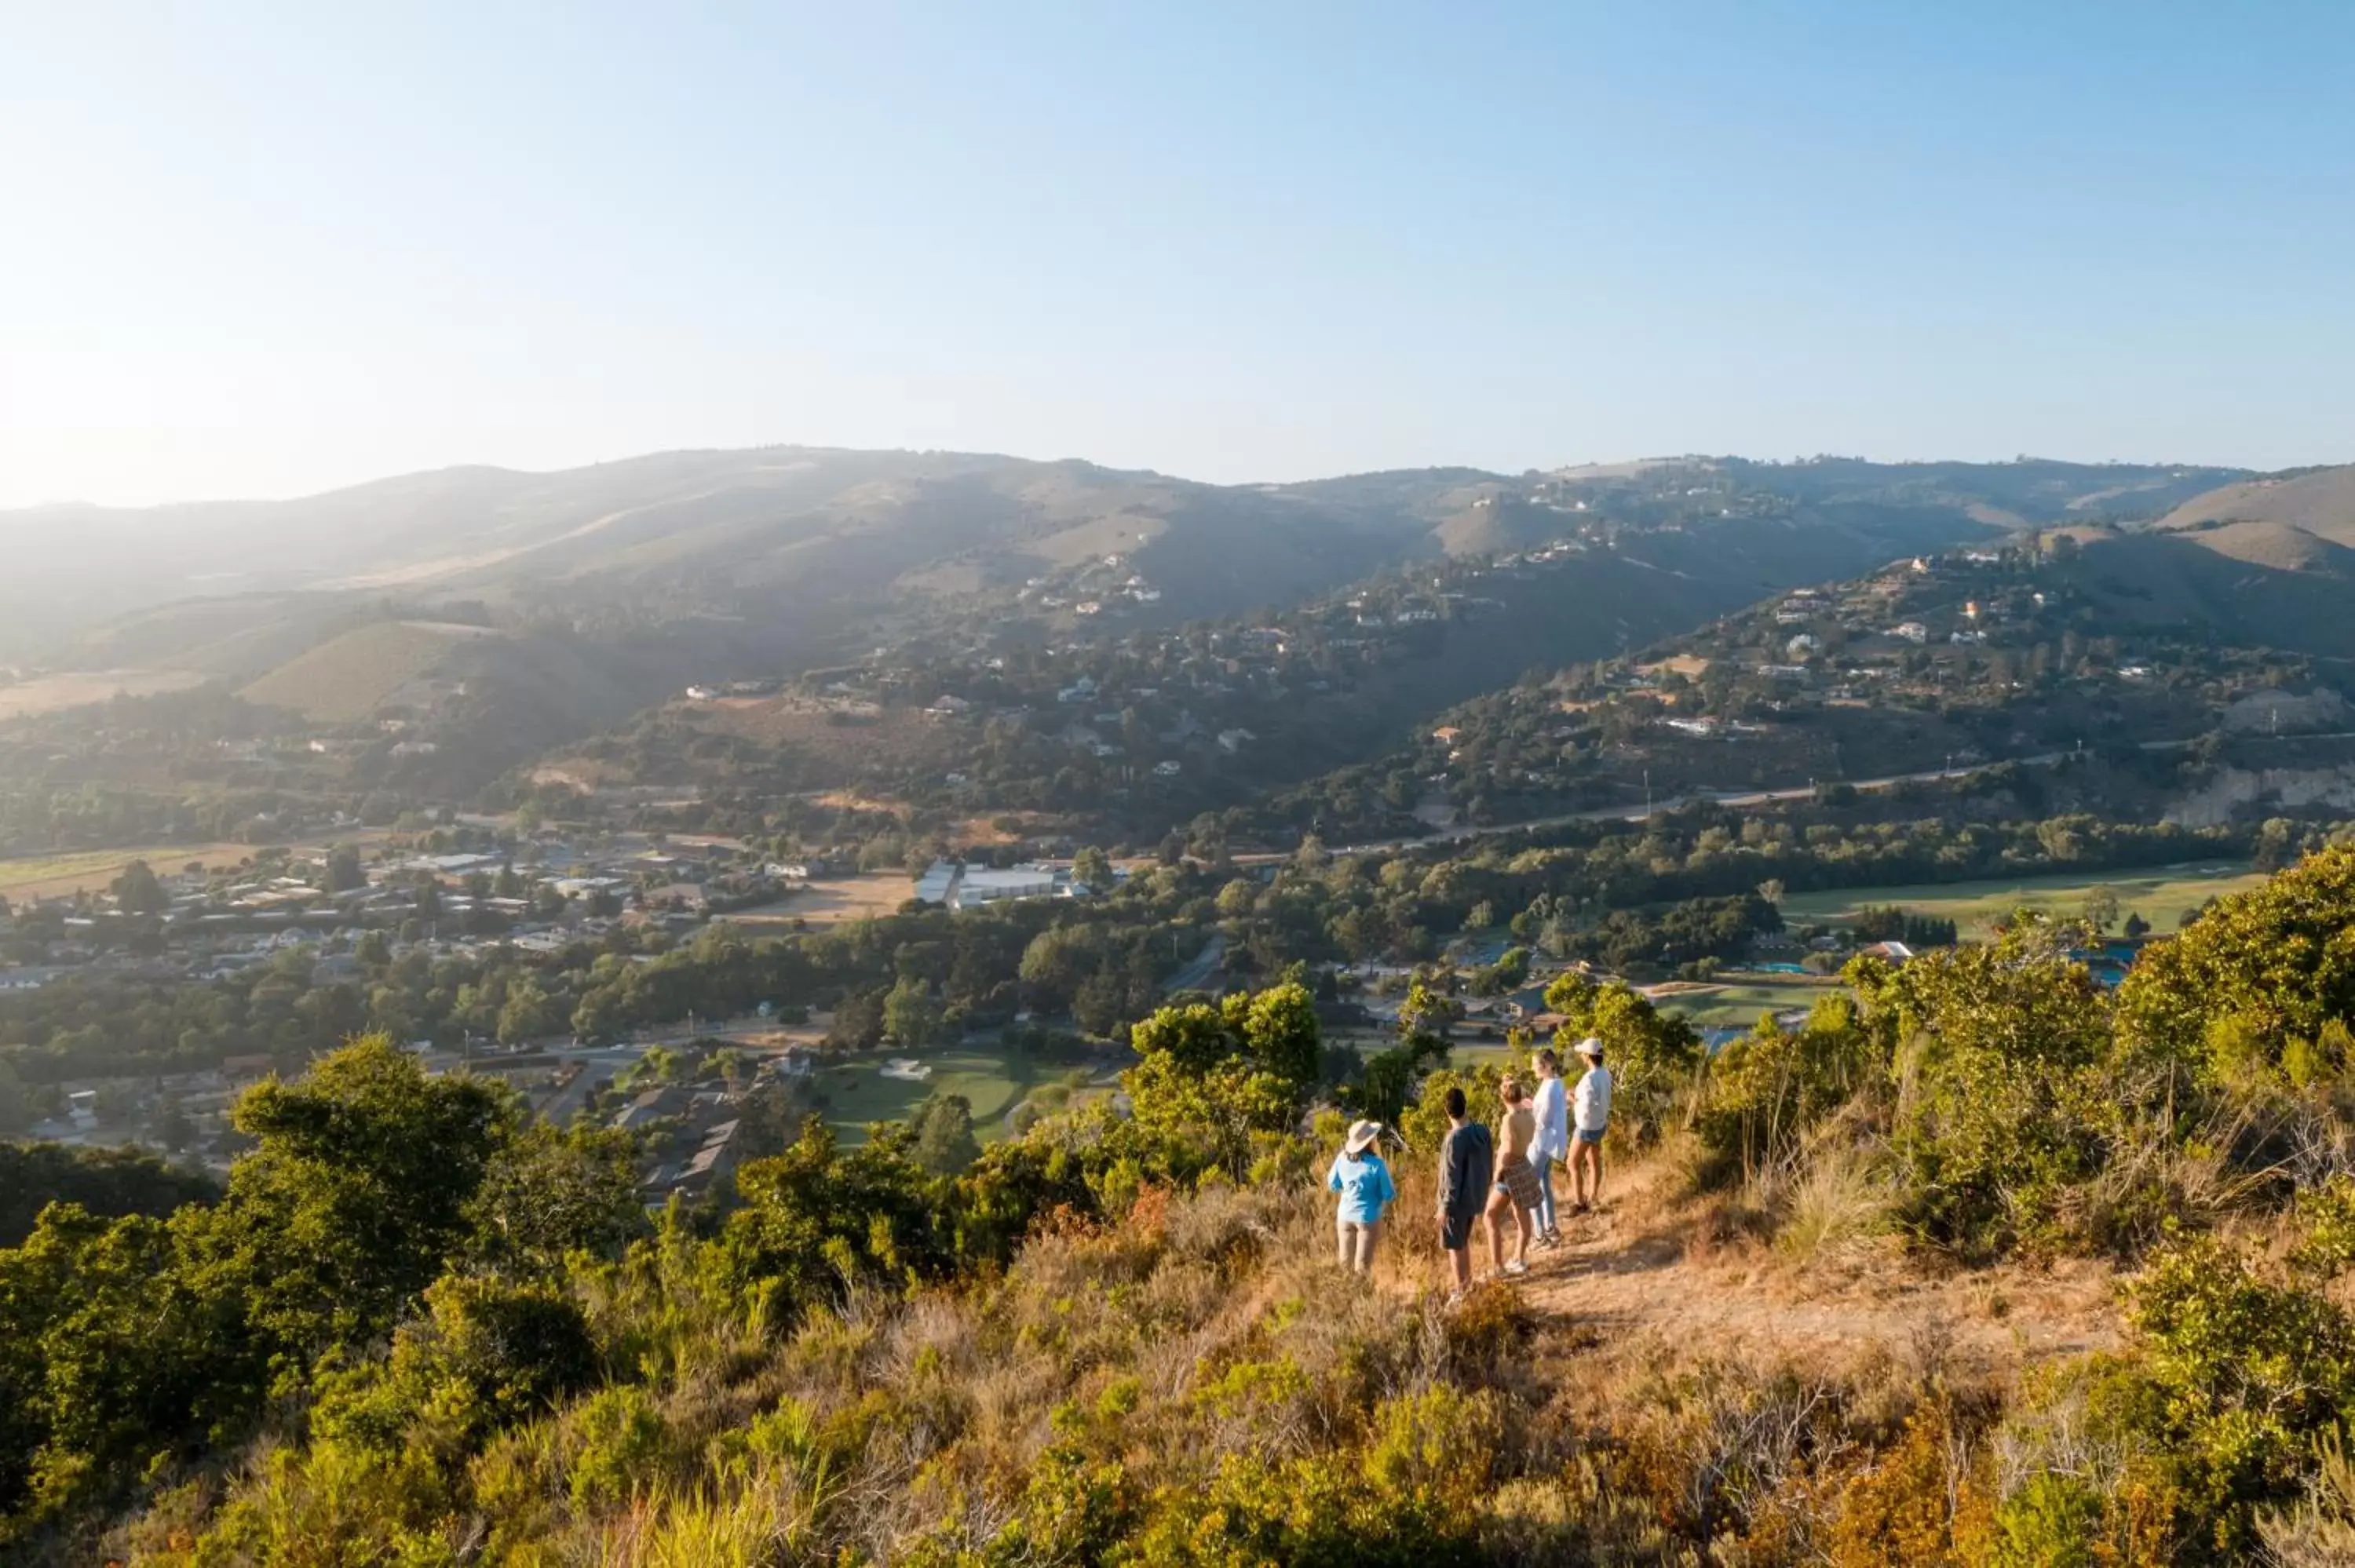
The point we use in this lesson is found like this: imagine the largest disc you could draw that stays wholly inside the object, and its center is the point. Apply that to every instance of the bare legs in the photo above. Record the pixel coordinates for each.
(1583, 1155)
(1459, 1259)
(1500, 1203)
(1356, 1239)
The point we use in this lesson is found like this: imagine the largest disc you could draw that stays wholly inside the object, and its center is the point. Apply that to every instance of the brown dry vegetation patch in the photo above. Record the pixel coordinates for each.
(834, 901)
(74, 689)
(846, 745)
(62, 876)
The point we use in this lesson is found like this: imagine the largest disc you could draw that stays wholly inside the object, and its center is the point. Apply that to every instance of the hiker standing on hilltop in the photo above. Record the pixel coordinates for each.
(1591, 1111)
(1552, 1108)
(1363, 1180)
(1467, 1166)
(1515, 1191)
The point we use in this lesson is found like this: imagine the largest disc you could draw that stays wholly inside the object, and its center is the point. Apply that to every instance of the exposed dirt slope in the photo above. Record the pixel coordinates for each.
(1645, 1275)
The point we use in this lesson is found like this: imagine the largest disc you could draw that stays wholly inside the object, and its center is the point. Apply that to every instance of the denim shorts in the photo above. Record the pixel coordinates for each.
(1596, 1137)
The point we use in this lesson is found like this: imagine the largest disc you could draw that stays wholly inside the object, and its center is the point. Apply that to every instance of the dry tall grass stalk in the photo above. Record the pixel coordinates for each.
(1829, 1205)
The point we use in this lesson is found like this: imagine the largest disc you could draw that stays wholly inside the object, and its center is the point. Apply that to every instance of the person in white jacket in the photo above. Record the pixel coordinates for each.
(1552, 1140)
(1591, 1118)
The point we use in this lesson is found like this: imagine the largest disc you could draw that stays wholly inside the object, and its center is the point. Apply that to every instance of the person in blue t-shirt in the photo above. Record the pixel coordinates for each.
(1364, 1182)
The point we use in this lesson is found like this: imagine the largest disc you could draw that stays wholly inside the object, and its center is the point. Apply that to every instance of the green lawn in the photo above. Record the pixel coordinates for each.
(857, 1092)
(1739, 1005)
(2159, 897)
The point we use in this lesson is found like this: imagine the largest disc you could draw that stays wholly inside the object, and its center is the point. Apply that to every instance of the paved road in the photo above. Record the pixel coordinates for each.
(1203, 965)
(595, 1067)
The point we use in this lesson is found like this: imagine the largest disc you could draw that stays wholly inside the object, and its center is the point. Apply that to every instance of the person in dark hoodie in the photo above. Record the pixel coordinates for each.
(1467, 1167)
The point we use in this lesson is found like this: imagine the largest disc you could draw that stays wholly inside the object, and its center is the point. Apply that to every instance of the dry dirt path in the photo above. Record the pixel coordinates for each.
(1642, 1274)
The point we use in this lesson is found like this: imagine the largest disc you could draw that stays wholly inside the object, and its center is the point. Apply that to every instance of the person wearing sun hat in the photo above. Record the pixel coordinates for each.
(1363, 1180)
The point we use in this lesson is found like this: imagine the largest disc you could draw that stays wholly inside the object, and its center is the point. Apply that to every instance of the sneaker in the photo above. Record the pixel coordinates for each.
(1516, 1269)
(1455, 1299)
(1551, 1240)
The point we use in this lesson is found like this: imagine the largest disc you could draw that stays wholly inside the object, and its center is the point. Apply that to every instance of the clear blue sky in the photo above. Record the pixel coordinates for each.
(258, 251)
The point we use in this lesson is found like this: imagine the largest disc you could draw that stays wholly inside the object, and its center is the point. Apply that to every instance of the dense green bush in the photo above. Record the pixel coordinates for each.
(2280, 957)
(1999, 1057)
(1769, 1088)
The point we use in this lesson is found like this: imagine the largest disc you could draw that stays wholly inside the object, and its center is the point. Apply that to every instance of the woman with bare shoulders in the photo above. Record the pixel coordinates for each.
(1515, 1191)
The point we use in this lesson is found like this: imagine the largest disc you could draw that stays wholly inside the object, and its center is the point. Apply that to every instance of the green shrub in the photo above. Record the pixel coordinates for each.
(2279, 958)
(624, 1446)
(2326, 1215)
(487, 1354)
(2253, 1371)
(1767, 1089)
(2006, 1101)
(2053, 1522)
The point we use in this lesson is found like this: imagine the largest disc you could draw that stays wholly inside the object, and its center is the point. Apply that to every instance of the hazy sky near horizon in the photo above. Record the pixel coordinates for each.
(258, 251)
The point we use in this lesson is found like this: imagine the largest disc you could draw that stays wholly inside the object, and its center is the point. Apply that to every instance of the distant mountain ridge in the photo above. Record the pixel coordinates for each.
(645, 574)
(778, 517)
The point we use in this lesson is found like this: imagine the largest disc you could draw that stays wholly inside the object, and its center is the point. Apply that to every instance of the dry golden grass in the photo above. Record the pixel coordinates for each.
(62, 876)
(54, 693)
(834, 901)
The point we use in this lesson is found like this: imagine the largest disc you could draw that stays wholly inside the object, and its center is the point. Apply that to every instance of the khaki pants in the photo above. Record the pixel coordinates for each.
(1356, 1238)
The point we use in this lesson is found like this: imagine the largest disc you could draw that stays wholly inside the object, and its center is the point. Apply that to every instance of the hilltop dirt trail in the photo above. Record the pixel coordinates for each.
(1643, 1275)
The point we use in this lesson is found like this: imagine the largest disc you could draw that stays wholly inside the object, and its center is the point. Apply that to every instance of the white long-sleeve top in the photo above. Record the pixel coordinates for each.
(1553, 1121)
(1593, 1100)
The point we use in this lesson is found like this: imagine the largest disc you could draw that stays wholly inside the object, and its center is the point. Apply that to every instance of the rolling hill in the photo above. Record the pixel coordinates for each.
(808, 526)
(2320, 501)
(609, 586)
(347, 678)
(819, 529)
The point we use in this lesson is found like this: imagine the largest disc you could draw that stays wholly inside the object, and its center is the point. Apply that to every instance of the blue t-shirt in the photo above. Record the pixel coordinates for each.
(1364, 1183)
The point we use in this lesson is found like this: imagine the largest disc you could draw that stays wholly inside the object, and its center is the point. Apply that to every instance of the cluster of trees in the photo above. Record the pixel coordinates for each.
(1890, 923)
(1627, 940)
(1681, 886)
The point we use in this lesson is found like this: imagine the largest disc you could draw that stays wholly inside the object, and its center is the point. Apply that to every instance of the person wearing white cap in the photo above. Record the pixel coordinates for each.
(1363, 1180)
(1590, 1119)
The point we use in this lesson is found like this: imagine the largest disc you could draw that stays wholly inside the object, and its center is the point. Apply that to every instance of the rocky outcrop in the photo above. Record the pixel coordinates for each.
(2286, 713)
(2234, 791)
